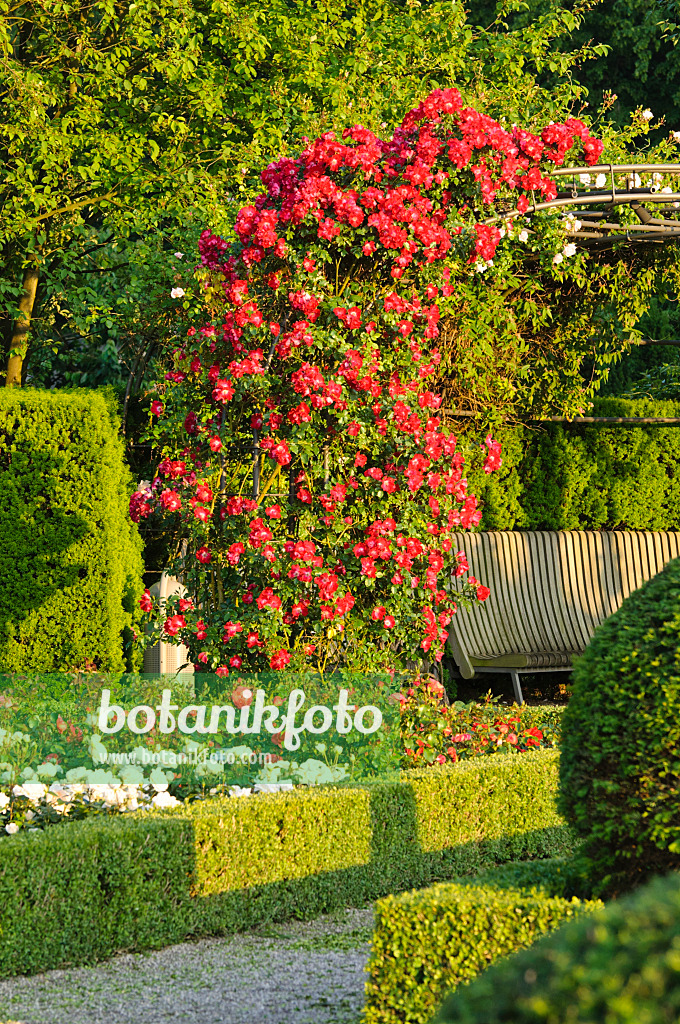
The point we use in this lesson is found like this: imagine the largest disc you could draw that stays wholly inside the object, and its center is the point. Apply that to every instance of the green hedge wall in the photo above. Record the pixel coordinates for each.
(430, 941)
(70, 559)
(586, 478)
(79, 892)
(619, 966)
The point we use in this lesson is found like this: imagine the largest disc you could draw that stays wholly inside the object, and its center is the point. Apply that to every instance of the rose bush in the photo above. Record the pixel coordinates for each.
(306, 470)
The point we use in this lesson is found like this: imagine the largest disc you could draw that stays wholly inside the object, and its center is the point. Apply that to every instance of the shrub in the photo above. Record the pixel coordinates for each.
(84, 890)
(317, 372)
(619, 966)
(70, 563)
(433, 940)
(621, 735)
(586, 477)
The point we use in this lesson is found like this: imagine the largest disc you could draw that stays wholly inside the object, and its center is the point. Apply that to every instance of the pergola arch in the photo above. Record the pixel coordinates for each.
(597, 230)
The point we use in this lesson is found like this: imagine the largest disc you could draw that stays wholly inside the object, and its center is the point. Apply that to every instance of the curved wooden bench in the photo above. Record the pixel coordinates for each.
(549, 591)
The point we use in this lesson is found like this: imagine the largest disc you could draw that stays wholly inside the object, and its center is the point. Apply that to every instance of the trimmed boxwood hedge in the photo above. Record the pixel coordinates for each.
(620, 749)
(82, 891)
(432, 940)
(619, 966)
(70, 559)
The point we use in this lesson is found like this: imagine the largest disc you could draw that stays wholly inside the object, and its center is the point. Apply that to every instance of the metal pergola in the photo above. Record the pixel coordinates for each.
(623, 187)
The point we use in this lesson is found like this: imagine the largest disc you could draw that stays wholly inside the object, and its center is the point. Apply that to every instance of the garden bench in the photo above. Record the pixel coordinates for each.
(549, 591)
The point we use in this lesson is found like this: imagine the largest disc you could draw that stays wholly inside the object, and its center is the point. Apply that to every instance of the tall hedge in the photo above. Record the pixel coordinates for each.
(558, 477)
(621, 740)
(70, 559)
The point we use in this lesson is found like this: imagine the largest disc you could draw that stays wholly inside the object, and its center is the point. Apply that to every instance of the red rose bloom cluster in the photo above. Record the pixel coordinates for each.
(312, 472)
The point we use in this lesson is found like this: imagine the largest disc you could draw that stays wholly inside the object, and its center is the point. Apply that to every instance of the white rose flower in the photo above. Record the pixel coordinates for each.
(584, 179)
(314, 773)
(480, 266)
(160, 778)
(601, 180)
(667, 190)
(130, 775)
(647, 115)
(558, 258)
(100, 777)
(676, 136)
(178, 255)
(523, 235)
(11, 828)
(569, 249)
(35, 791)
(239, 791)
(320, 748)
(27, 774)
(164, 799)
(76, 775)
(177, 293)
(4, 800)
(97, 750)
(208, 768)
(48, 770)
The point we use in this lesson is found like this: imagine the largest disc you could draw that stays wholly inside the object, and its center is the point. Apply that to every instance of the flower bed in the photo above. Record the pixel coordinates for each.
(433, 732)
(431, 941)
(82, 892)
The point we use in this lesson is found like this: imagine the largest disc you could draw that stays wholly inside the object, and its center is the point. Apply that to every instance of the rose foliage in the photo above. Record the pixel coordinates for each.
(305, 467)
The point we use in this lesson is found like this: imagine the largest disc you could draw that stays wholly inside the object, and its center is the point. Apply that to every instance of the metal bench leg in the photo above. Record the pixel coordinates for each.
(516, 687)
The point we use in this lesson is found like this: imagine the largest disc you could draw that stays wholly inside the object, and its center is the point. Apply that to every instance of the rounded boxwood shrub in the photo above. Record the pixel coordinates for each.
(620, 762)
(620, 965)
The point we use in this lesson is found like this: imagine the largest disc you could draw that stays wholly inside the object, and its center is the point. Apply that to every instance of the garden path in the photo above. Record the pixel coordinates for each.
(293, 973)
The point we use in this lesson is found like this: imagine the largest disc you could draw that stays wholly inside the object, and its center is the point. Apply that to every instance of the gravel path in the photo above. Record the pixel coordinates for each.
(294, 973)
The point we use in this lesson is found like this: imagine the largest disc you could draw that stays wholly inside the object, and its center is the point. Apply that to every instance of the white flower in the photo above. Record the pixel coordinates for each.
(313, 772)
(480, 266)
(667, 190)
(76, 775)
(337, 749)
(320, 748)
(503, 232)
(12, 828)
(131, 775)
(558, 258)
(676, 136)
(637, 180)
(4, 800)
(569, 249)
(28, 774)
(584, 179)
(177, 293)
(97, 750)
(523, 235)
(647, 114)
(164, 799)
(208, 768)
(601, 180)
(657, 178)
(99, 777)
(35, 791)
(48, 770)
(159, 778)
(239, 791)
(178, 255)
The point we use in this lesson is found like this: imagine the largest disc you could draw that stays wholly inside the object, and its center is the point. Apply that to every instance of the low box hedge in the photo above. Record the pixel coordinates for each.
(78, 892)
(432, 940)
(619, 966)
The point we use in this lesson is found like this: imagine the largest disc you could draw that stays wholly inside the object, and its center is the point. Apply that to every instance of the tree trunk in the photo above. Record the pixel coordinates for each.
(19, 342)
